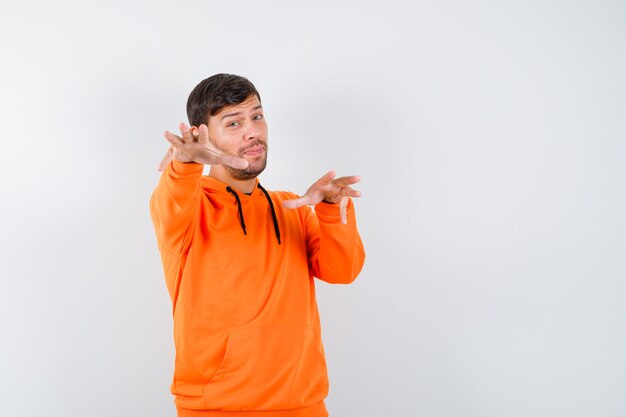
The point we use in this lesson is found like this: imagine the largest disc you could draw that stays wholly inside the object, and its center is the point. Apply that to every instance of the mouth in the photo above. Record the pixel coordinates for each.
(255, 150)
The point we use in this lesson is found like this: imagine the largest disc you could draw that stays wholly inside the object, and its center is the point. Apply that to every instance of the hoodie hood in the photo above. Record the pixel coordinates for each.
(212, 185)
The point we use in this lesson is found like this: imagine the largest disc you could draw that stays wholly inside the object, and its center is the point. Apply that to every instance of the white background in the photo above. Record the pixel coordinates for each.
(491, 138)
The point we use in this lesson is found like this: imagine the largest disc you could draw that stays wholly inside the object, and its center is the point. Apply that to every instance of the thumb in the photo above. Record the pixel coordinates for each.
(233, 161)
(296, 202)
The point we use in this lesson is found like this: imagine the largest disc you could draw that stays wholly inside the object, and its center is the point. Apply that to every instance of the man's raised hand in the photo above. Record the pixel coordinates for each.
(196, 148)
(330, 190)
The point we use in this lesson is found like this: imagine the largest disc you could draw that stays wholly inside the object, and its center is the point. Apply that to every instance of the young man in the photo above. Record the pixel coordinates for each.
(239, 263)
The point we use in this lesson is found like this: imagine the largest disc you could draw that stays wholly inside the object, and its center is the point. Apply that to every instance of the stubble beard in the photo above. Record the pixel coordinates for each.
(254, 168)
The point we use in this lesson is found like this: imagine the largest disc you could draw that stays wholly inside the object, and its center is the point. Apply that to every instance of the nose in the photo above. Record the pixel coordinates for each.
(252, 132)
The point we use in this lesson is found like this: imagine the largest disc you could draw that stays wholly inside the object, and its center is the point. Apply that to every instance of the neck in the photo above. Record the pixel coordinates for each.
(238, 184)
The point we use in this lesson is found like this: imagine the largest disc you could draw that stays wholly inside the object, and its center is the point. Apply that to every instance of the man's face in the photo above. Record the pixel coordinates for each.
(241, 130)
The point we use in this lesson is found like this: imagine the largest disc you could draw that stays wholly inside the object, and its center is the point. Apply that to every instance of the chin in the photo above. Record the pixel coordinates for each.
(255, 167)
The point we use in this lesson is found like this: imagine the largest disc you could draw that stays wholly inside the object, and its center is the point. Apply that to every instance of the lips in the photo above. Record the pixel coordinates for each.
(255, 150)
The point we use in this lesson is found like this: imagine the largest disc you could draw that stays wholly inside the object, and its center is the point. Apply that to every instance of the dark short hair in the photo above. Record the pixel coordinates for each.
(215, 93)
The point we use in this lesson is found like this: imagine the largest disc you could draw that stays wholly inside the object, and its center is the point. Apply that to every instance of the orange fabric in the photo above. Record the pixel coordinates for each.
(315, 410)
(246, 324)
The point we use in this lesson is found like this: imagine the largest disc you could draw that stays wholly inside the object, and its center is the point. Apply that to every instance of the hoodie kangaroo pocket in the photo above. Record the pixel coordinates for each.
(269, 369)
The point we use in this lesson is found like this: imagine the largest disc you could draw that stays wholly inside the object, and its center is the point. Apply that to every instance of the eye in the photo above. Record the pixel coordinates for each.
(233, 124)
(258, 117)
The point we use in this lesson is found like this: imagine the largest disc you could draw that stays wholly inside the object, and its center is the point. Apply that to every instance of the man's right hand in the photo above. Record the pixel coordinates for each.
(197, 148)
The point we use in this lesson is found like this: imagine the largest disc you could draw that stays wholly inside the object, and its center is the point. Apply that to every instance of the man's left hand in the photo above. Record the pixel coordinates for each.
(330, 190)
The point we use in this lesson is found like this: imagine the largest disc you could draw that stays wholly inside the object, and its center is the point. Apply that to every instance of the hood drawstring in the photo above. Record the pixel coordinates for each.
(240, 211)
(269, 200)
(243, 222)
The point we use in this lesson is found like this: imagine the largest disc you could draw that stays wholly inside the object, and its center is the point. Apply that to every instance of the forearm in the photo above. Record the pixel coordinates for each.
(339, 254)
(174, 203)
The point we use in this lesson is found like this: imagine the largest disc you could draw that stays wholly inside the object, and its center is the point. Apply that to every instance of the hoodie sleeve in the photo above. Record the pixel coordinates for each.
(336, 253)
(174, 203)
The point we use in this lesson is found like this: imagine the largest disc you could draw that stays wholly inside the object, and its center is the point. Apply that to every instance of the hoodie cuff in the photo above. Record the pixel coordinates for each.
(329, 212)
(186, 168)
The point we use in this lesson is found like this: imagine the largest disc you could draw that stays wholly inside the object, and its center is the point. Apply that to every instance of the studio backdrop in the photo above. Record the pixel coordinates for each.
(490, 138)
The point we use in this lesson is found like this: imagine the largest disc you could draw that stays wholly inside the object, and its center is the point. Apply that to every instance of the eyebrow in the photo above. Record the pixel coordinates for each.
(237, 113)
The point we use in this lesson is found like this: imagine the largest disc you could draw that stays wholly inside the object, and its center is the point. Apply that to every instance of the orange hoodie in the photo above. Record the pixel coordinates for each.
(240, 276)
